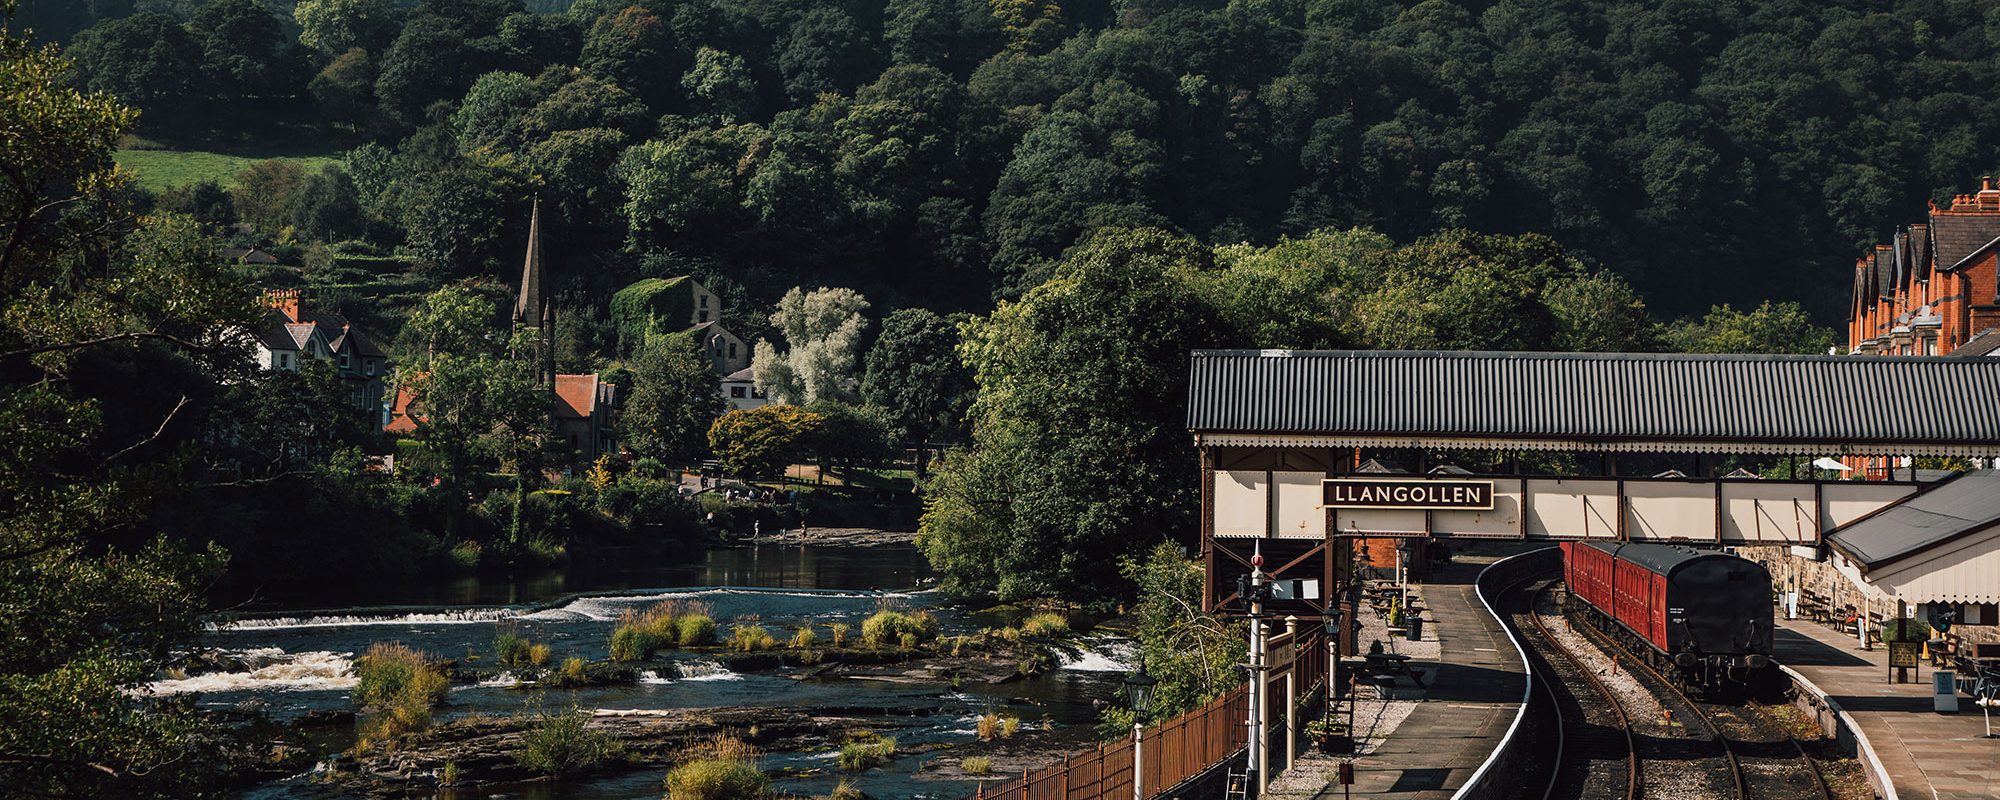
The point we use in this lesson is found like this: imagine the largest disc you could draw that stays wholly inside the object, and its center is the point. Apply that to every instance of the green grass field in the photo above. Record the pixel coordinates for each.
(162, 169)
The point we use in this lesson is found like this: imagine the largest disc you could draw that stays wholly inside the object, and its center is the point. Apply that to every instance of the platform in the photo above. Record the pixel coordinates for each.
(1925, 754)
(1473, 693)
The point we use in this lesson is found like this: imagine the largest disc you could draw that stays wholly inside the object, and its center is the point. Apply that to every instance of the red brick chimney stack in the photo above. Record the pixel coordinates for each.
(286, 301)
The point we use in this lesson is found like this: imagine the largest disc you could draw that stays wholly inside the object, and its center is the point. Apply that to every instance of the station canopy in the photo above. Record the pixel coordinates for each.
(1596, 402)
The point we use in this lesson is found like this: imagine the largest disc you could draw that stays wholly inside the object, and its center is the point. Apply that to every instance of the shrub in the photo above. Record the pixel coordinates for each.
(845, 791)
(641, 634)
(390, 672)
(804, 638)
(888, 627)
(628, 644)
(572, 672)
(722, 769)
(399, 685)
(839, 631)
(1009, 726)
(464, 556)
(868, 751)
(976, 765)
(1045, 625)
(538, 654)
(695, 630)
(994, 725)
(509, 646)
(750, 638)
(563, 742)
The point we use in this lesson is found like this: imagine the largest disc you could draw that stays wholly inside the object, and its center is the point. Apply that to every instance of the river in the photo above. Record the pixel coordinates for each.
(304, 658)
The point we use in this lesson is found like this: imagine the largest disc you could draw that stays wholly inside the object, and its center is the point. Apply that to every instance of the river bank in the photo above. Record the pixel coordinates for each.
(292, 672)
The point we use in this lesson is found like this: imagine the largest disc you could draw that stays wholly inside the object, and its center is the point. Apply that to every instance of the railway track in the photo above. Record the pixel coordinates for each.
(1596, 754)
(1765, 762)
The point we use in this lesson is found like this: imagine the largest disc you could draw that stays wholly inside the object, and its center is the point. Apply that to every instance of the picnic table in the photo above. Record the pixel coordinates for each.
(1391, 665)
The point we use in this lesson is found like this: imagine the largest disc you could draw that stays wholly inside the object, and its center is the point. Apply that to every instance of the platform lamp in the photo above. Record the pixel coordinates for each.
(1139, 689)
(1332, 622)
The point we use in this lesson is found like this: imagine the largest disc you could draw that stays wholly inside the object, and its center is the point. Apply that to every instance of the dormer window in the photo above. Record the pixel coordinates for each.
(704, 301)
(703, 316)
(368, 366)
(343, 361)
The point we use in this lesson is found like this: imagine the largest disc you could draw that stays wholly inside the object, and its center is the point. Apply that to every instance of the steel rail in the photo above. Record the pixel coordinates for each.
(1624, 722)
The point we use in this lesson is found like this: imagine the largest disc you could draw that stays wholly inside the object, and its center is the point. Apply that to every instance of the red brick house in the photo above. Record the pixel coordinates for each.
(1932, 291)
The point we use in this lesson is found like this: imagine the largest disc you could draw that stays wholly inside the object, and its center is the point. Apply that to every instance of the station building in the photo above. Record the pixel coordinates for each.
(1703, 450)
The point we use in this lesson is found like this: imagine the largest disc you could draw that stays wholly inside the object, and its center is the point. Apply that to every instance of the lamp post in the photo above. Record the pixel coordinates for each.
(1332, 623)
(1139, 689)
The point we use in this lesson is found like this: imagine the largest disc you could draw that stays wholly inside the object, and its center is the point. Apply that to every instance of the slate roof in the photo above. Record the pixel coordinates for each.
(1884, 269)
(744, 375)
(1920, 250)
(1940, 513)
(1602, 400)
(1960, 235)
(1985, 343)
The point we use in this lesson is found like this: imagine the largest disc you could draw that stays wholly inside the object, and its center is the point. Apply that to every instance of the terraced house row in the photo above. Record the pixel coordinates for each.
(1933, 290)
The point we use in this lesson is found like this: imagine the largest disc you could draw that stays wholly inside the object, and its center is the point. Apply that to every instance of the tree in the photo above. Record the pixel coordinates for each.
(823, 329)
(91, 602)
(244, 51)
(205, 200)
(1193, 655)
(1599, 313)
(1769, 328)
(914, 375)
(688, 187)
(760, 442)
(823, 51)
(264, 192)
(720, 85)
(426, 63)
(1082, 386)
(324, 208)
(147, 60)
(1463, 291)
(344, 90)
(456, 318)
(333, 27)
(672, 403)
(632, 48)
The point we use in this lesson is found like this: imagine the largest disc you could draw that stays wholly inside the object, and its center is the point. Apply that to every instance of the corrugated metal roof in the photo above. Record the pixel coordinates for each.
(1962, 505)
(1825, 401)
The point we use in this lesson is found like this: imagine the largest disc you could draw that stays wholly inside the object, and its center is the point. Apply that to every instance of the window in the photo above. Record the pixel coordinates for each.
(343, 361)
(704, 301)
(736, 392)
(703, 316)
(369, 365)
(732, 350)
(284, 360)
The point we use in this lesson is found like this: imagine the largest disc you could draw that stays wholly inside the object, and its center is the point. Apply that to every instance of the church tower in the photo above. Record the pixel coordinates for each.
(533, 309)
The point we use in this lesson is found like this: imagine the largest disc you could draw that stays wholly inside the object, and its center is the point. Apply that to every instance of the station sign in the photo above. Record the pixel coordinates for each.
(1414, 494)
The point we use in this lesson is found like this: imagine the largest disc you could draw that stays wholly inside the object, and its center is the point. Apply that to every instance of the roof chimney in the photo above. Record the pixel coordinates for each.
(286, 301)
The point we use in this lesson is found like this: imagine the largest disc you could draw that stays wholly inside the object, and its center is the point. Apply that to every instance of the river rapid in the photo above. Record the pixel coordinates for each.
(301, 661)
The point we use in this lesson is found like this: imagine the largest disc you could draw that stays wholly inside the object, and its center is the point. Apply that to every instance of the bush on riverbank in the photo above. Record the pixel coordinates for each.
(514, 650)
(665, 624)
(1045, 626)
(750, 638)
(887, 628)
(872, 750)
(399, 685)
(721, 769)
(562, 742)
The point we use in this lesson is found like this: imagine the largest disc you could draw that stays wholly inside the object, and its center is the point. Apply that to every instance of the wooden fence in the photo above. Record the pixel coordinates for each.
(1176, 749)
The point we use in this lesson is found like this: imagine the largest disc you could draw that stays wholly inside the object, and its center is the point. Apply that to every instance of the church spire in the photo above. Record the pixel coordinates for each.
(528, 308)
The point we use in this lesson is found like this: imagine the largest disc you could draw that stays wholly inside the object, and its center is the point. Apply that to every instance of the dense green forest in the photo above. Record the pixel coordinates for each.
(943, 152)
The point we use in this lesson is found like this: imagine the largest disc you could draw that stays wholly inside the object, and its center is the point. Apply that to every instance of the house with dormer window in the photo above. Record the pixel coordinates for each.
(292, 333)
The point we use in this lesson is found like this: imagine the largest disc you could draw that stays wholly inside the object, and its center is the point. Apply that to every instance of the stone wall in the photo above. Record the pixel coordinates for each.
(1789, 571)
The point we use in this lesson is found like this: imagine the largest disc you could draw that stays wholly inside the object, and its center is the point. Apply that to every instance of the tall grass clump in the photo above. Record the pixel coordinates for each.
(720, 769)
(397, 686)
(669, 623)
(1045, 626)
(872, 750)
(510, 647)
(804, 638)
(750, 638)
(839, 632)
(887, 628)
(562, 742)
(976, 765)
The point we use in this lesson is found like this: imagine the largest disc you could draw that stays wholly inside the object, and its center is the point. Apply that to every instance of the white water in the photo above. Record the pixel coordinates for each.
(464, 616)
(273, 670)
(706, 671)
(651, 677)
(1099, 654)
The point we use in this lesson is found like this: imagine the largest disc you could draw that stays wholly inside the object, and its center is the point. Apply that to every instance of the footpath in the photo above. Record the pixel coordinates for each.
(1472, 679)
(1926, 755)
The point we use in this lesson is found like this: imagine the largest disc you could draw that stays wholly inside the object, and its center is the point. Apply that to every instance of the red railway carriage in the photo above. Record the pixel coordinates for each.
(1707, 613)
